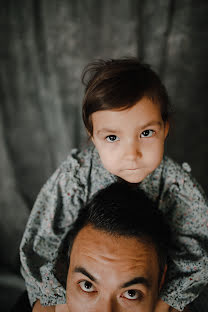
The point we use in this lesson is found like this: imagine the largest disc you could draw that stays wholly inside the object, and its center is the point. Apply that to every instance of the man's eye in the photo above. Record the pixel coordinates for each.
(147, 133)
(112, 138)
(132, 294)
(86, 286)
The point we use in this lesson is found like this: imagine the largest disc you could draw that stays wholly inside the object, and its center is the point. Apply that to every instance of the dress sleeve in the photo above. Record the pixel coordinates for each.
(41, 249)
(186, 209)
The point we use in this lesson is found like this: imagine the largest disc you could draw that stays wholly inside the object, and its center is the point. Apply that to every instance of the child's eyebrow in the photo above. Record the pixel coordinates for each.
(108, 130)
(111, 130)
(152, 123)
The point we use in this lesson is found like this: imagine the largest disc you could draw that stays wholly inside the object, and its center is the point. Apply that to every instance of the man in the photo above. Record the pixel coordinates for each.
(118, 254)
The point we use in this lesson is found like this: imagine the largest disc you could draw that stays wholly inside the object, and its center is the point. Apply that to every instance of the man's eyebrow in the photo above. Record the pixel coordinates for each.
(137, 280)
(82, 270)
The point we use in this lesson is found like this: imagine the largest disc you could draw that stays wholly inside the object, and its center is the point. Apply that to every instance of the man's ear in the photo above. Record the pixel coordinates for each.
(163, 277)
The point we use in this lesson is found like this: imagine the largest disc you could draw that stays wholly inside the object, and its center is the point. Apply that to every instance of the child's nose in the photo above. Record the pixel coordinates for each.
(133, 151)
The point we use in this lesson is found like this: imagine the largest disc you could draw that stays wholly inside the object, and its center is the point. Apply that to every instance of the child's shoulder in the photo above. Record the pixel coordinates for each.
(180, 176)
(73, 172)
(78, 158)
(74, 168)
(175, 170)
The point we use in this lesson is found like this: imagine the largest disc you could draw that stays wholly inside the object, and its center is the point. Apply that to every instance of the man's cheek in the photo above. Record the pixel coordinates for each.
(78, 304)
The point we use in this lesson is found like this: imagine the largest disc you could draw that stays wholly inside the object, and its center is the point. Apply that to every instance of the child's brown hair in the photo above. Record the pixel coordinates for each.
(117, 84)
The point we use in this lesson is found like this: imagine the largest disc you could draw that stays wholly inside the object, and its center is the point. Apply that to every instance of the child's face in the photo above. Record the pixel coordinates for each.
(130, 142)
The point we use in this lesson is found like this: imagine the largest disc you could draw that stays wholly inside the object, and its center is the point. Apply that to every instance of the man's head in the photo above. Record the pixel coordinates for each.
(118, 255)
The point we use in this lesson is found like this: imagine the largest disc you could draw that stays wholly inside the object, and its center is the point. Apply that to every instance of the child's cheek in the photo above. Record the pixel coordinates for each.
(109, 161)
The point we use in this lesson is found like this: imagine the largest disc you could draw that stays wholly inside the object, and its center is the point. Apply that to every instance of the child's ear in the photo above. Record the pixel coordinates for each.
(163, 277)
(91, 138)
(167, 126)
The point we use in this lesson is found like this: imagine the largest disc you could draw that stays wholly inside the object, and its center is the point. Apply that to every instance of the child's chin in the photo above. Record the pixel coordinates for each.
(132, 179)
(136, 177)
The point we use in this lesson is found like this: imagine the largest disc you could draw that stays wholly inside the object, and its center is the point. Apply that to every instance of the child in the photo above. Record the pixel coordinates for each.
(126, 114)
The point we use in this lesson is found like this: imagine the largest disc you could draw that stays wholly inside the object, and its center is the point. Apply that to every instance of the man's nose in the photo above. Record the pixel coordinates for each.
(108, 305)
(133, 150)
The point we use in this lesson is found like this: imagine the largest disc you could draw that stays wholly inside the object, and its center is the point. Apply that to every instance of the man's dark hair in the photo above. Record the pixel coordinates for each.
(121, 210)
(119, 84)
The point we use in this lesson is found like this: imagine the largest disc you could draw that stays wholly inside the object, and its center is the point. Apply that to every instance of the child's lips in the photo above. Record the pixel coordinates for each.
(132, 169)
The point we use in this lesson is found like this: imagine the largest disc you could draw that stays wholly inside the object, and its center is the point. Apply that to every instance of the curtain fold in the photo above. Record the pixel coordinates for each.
(44, 48)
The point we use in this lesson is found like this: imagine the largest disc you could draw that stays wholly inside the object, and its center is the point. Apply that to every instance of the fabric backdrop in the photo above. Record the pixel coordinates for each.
(44, 46)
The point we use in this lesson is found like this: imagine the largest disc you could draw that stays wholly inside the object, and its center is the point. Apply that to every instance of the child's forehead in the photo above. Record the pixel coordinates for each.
(145, 110)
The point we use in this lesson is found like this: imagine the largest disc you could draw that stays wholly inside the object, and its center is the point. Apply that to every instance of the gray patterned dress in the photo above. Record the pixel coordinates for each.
(178, 196)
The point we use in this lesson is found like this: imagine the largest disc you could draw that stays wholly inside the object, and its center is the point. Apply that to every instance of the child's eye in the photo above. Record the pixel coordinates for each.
(147, 133)
(86, 286)
(132, 294)
(112, 138)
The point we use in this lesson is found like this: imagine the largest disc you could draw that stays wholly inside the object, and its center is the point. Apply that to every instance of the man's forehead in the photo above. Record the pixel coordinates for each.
(95, 247)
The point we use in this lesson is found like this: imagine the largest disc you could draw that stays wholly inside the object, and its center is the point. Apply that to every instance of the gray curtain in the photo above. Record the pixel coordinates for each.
(44, 46)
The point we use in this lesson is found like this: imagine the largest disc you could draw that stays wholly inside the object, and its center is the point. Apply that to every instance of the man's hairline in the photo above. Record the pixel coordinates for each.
(142, 240)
